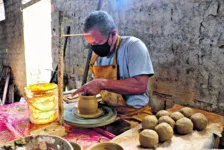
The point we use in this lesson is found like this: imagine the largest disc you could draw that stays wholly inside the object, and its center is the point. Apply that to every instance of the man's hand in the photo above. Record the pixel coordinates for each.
(91, 88)
(130, 86)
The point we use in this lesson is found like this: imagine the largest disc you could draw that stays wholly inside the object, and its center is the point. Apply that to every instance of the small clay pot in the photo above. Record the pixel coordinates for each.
(87, 104)
(76, 146)
(106, 146)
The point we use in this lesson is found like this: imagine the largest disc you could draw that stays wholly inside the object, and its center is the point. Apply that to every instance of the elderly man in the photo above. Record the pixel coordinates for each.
(121, 67)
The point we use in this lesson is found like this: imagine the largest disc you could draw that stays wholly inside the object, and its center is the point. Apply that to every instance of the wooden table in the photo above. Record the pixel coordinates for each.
(197, 140)
(14, 123)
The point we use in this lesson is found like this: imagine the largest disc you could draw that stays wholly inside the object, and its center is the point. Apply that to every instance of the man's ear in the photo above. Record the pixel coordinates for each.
(114, 32)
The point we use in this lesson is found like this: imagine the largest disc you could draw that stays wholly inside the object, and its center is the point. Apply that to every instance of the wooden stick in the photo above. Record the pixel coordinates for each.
(61, 69)
(78, 34)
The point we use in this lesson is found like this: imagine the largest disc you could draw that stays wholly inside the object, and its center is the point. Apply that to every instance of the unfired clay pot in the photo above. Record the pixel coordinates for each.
(106, 146)
(87, 104)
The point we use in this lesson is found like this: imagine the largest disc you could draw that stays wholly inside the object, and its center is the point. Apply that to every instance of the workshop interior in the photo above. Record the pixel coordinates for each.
(111, 74)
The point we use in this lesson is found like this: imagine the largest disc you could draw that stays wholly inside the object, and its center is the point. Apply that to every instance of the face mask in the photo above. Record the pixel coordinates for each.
(102, 50)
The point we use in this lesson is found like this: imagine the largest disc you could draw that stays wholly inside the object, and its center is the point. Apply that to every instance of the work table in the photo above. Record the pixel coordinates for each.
(197, 140)
(14, 123)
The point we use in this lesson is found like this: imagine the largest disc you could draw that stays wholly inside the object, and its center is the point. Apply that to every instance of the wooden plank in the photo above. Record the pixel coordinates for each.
(29, 4)
(206, 139)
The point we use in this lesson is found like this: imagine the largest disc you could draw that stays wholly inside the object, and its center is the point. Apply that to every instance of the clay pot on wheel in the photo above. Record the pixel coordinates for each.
(87, 104)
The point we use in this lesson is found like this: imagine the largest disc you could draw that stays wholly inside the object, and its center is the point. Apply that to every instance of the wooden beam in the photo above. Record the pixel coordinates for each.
(29, 4)
(61, 68)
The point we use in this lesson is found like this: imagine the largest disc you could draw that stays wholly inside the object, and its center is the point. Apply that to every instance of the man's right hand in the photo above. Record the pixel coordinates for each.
(91, 88)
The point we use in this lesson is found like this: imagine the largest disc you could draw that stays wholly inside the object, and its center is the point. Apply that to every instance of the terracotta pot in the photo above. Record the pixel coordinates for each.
(76, 146)
(87, 104)
(106, 146)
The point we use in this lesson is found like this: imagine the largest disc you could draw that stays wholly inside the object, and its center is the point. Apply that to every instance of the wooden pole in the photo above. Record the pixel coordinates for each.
(61, 69)
(78, 34)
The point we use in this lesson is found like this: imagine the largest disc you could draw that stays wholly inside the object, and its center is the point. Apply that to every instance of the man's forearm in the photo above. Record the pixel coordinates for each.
(126, 87)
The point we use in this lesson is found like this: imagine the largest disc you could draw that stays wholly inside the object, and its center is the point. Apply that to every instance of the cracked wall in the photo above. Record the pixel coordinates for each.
(12, 44)
(185, 39)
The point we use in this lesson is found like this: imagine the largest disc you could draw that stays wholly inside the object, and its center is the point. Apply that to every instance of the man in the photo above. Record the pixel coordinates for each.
(121, 67)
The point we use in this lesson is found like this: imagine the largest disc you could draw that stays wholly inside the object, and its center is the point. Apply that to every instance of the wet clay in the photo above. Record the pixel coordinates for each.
(176, 115)
(162, 113)
(165, 131)
(184, 126)
(168, 120)
(200, 121)
(148, 138)
(149, 122)
(187, 112)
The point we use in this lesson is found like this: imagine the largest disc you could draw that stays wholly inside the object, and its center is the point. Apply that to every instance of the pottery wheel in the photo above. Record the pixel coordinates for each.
(108, 116)
(98, 113)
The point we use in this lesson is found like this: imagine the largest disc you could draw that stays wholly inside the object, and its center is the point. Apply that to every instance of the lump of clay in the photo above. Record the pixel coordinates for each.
(199, 120)
(187, 112)
(176, 115)
(162, 113)
(165, 131)
(168, 120)
(149, 122)
(184, 126)
(148, 138)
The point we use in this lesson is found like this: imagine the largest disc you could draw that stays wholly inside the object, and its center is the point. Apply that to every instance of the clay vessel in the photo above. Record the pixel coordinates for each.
(106, 146)
(87, 104)
(76, 146)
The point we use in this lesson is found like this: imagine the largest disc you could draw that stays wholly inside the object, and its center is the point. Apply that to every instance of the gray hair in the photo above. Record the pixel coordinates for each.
(100, 20)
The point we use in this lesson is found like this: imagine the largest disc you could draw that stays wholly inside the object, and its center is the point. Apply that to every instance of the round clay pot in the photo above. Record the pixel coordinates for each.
(87, 104)
(106, 146)
(76, 146)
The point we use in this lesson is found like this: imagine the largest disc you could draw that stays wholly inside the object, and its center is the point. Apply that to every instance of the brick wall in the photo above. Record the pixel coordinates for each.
(76, 54)
(185, 40)
(184, 37)
(11, 42)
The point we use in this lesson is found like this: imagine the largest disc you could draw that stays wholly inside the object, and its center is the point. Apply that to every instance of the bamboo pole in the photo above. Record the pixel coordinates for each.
(78, 34)
(61, 68)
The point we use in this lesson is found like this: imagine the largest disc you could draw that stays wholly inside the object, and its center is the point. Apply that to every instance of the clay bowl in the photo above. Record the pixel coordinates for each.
(34, 141)
(76, 146)
(106, 146)
(87, 104)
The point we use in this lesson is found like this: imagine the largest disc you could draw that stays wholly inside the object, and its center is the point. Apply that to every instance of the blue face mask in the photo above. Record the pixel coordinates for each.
(102, 50)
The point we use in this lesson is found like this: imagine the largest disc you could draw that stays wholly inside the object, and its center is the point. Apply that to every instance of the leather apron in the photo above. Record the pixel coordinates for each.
(114, 99)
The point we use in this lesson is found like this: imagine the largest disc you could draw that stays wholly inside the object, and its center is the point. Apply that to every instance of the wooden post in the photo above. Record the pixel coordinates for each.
(61, 68)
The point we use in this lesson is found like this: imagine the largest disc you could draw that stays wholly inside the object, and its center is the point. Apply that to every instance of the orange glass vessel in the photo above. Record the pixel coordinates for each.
(42, 102)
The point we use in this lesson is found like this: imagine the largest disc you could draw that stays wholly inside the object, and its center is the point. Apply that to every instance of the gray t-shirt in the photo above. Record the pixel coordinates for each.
(133, 59)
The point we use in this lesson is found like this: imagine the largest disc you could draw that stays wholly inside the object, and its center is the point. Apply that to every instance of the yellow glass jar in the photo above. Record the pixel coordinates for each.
(42, 102)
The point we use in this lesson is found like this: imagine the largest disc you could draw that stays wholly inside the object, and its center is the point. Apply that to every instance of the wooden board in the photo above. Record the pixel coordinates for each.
(51, 129)
(206, 139)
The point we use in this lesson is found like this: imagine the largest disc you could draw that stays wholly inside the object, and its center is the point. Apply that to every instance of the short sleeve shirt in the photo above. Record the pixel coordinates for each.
(133, 59)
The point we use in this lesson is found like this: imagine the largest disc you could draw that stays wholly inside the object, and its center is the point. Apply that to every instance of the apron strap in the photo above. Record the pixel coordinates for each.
(116, 49)
(93, 60)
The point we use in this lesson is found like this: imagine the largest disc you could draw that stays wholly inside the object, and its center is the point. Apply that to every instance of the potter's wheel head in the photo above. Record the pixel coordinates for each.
(98, 113)
(107, 117)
